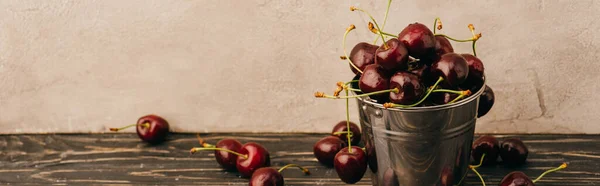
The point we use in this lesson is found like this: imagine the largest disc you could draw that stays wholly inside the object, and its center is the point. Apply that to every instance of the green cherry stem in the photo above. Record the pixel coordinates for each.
(387, 10)
(479, 175)
(196, 149)
(144, 125)
(475, 37)
(353, 81)
(457, 40)
(457, 98)
(354, 89)
(323, 95)
(306, 172)
(348, 122)
(342, 132)
(452, 91)
(352, 8)
(392, 105)
(202, 142)
(437, 24)
(350, 28)
(562, 166)
(472, 167)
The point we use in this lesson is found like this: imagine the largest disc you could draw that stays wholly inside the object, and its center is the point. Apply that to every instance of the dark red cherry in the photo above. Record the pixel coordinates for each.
(513, 152)
(442, 46)
(446, 178)
(440, 98)
(362, 54)
(152, 128)
(375, 78)
(486, 101)
(487, 145)
(418, 39)
(342, 127)
(225, 159)
(350, 166)
(422, 71)
(393, 56)
(326, 149)
(389, 178)
(452, 67)
(266, 176)
(256, 157)
(516, 178)
(476, 73)
(409, 84)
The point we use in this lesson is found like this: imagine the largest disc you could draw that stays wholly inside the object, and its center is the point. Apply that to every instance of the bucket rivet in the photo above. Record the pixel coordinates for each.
(378, 113)
(364, 107)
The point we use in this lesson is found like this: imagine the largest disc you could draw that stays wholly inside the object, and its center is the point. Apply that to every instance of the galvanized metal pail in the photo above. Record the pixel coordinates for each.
(420, 145)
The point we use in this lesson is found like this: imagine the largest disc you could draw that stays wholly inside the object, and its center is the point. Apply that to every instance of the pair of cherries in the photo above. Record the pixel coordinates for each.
(350, 162)
(512, 151)
(250, 160)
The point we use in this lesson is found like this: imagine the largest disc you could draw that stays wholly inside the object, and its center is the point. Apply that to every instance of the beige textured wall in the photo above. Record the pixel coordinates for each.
(83, 66)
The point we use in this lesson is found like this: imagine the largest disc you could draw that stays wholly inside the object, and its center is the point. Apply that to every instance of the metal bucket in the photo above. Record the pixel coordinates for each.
(418, 146)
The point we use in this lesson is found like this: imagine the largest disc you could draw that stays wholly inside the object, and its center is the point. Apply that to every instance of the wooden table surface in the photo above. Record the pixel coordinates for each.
(122, 159)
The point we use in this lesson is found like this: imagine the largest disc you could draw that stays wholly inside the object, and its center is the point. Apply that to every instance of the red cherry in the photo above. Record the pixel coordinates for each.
(326, 149)
(256, 156)
(150, 128)
(225, 159)
(341, 127)
(350, 166)
(393, 56)
(418, 39)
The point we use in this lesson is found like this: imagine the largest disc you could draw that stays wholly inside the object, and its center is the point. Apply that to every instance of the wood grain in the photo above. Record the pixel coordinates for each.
(122, 159)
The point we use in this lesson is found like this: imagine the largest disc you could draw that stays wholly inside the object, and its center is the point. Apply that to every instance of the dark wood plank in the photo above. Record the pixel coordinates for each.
(123, 159)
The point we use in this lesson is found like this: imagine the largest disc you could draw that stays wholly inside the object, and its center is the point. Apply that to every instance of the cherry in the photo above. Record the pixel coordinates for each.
(326, 149)
(392, 56)
(476, 73)
(418, 39)
(487, 145)
(442, 46)
(389, 178)
(452, 67)
(150, 128)
(250, 157)
(374, 78)
(340, 130)
(513, 152)
(518, 178)
(362, 54)
(225, 159)
(350, 164)
(422, 71)
(267, 176)
(486, 101)
(410, 88)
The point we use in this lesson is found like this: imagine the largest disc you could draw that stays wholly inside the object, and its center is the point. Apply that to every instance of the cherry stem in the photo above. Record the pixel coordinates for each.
(457, 98)
(457, 40)
(387, 10)
(352, 8)
(390, 105)
(202, 142)
(472, 167)
(475, 37)
(350, 28)
(194, 150)
(348, 122)
(562, 166)
(342, 132)
(144, 125)
(468, 92)
(437, 24)
(479, 175)
(294, 165)
(353, 89)
(323, 95)
(353, 81)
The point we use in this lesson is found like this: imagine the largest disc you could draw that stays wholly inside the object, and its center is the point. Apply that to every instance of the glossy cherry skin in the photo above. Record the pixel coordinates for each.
(513, 152)
(442, 46)
(418, 39)
(392, 58)
(326, 149)
(516, 178)
(266, 176)
(350, 167)
(410, 88)
(362, 54)
(452, 67)
(476, 73)
(441, 98)
(389, 178)
(342, 127)
(487, 145)
(486, 101)
(157, 130)
(225, 159)
(422, 71)
(258, 157)
(375, 78)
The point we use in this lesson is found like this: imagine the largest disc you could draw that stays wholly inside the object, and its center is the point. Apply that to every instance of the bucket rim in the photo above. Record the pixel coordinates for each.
(425, 108)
